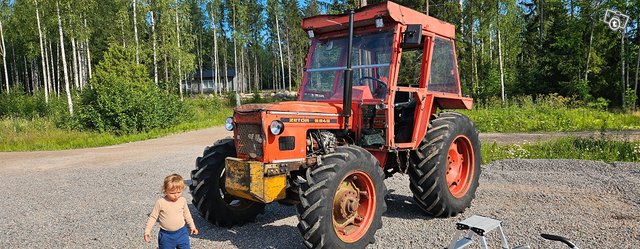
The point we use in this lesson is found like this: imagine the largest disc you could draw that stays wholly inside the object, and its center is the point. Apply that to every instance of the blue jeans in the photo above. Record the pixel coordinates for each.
(175, 239)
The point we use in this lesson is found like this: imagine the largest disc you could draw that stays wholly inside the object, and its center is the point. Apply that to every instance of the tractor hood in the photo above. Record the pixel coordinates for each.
(293, 107)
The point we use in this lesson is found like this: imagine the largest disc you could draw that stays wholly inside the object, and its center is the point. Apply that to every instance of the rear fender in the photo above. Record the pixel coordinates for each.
(454, 102)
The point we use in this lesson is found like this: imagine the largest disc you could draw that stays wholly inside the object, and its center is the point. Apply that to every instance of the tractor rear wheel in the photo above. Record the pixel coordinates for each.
(342, 201)
(445, 169)
(208, 190)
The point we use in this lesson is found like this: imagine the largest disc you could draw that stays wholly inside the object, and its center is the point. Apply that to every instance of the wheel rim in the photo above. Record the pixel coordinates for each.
(354, 206)
(460, 166)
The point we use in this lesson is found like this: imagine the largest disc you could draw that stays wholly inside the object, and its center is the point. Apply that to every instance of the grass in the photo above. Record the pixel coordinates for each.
(601, 149)
(548, 113)
(37, 133)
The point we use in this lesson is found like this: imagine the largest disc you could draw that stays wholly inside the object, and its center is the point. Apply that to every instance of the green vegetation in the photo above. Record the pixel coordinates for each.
(549, 113)
(46, 133)
(566, 148)
(122, 99)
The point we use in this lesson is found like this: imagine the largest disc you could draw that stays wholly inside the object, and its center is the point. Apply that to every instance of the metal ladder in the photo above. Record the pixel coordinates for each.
(477, 225)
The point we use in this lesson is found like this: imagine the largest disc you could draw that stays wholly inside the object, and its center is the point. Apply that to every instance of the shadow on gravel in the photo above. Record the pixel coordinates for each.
(272, 229)
(402, 206)
(276, 228)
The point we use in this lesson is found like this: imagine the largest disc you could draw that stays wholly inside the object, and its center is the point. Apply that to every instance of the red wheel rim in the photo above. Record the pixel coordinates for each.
(354, 206)
(460, 163)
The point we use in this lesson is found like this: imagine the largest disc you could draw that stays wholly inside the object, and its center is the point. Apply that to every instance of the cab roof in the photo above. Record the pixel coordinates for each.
(389, 11)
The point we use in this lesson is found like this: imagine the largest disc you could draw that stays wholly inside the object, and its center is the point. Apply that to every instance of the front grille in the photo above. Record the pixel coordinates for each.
(287, 143)
(250, 140)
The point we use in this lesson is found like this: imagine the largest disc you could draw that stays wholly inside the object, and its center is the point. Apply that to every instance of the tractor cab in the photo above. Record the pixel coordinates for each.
(371, 59)
(403, 65)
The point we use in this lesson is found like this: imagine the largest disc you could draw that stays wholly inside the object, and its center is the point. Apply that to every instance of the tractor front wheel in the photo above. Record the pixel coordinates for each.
(208, 190)
(342, 201)
(445, 169)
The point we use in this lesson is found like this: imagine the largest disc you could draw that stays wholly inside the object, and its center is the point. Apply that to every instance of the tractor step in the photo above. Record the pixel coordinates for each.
(476, 225)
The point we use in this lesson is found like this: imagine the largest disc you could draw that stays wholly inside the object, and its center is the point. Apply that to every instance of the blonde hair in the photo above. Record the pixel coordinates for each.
(173, 182)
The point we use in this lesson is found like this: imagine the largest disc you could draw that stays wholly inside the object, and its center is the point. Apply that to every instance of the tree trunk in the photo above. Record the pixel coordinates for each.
(4, 59)
(58, 59)
(50, 70)
(86, 40)
(280, 49)
(635, 87)
(64, 62)
(35, 80)
(179, 53)
(586, 70)
(215, 52)
(474, 83)
(82, 66)
(426, 9)
(246, 77)
(623, 83)
(47, 68)
(135, 30)
(257, 75)
(289, 58)
(226, 70)
(27, 79)
(16, 75)
(200, 64)
(243, 69)
(500, 59)
(42, 57)
(166, 68)
(235, 52)
(74, 64)
(155, 59)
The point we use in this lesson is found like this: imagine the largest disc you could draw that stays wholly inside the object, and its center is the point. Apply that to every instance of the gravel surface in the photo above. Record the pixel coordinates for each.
(79, 199)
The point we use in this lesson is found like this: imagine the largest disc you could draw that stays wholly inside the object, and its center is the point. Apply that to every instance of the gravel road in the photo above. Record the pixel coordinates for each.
(97, 198)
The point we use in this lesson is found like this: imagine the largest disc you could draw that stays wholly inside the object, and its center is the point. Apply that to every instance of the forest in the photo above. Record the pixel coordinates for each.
(506, 48)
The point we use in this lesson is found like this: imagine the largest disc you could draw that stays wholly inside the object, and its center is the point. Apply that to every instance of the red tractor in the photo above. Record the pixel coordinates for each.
(369, 106)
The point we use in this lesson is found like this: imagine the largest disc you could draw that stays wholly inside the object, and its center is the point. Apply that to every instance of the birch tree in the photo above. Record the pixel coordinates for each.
(212, 12)
(4, 59)
(42, 56)
(135, 29)
(179, 59)
(154, 42)
(64, 60)
(500, 54)
(280, 47)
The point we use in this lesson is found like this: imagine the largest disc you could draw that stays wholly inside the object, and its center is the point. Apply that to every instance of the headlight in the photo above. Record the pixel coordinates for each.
(228, 124)
(276, 127)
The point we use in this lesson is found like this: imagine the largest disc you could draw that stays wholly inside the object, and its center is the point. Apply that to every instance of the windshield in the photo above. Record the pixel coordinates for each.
(371, 56)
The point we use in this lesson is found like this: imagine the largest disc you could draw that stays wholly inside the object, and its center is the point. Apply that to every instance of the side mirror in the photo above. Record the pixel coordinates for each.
(412, 36)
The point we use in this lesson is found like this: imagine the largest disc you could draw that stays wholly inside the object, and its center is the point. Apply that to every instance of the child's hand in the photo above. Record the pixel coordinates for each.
(147, 237)
(194, 231)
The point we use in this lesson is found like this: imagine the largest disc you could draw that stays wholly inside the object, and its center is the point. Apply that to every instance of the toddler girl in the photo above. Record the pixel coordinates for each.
(172, 212)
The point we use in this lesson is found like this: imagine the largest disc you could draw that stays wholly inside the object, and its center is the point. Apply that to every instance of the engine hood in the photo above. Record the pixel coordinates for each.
(292, 106)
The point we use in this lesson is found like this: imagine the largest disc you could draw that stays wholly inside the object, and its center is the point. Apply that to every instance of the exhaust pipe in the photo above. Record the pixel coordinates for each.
(348, 78)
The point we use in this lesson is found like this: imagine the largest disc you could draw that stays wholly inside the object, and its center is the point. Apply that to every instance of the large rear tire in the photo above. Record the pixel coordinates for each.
(445, 169)
(208, 191)
(342, 201)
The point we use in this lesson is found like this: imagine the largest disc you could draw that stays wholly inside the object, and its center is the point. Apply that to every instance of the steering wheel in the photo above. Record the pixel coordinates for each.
(378, 90)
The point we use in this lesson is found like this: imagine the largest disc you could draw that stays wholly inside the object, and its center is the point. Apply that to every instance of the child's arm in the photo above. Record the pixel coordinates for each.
(189, 219)
(153, 217)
